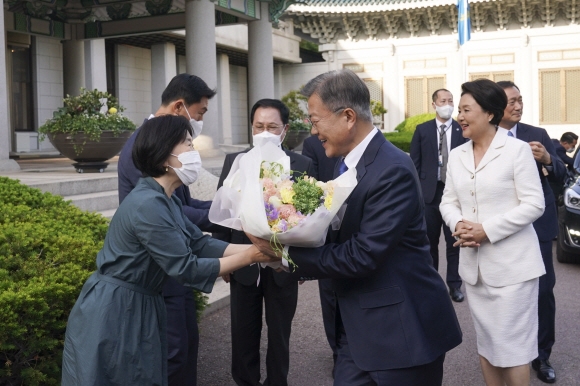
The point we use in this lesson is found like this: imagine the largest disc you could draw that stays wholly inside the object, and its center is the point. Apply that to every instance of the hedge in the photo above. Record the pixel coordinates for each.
(48, 249)
(409, 124)
(403, 133)
(400, 140)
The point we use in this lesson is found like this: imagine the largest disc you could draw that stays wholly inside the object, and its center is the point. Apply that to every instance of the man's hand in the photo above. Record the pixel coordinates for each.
(469, 234)
(540, 153)
(265, 247)
(226, 277)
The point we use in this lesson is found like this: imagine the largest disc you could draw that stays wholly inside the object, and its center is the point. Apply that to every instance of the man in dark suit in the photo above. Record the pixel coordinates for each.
(566, 145)
(186, 95)
(430, 147)
(550, 169)
(323, 171)
(395, 321)
(252, 286)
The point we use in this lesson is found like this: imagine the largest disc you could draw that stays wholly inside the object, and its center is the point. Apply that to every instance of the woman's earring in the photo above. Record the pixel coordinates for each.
(166, 169)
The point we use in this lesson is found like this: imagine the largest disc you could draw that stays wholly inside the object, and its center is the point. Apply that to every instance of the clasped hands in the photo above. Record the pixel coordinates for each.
(469, 234)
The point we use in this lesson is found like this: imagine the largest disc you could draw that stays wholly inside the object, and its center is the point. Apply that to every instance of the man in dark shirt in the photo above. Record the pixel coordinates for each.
(565, 146)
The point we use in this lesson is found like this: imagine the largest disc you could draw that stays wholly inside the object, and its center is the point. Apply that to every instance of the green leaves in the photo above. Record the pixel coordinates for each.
(83, 114)
(307, 195)
(48, 249)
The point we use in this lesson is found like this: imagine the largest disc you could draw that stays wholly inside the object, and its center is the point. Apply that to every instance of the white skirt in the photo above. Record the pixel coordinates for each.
(506, 321)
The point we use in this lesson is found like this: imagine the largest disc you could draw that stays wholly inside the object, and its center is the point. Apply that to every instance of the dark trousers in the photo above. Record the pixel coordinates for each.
(182, 339)
(246, 314)
(434, 223)
(347, 373)
(328, 305)
(546, 304)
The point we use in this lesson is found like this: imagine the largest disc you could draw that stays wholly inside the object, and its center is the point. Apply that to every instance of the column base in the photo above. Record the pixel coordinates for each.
(9, 165)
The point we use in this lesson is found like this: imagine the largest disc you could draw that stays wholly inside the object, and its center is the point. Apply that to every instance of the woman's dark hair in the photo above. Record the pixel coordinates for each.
(489, 96)
(156, 140)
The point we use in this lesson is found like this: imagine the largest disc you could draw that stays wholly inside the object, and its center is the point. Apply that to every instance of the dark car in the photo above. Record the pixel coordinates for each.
(568, 245)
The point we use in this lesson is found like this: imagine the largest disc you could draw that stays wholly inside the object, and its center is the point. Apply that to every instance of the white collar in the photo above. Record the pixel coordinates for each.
(352, 158)
(447, 123)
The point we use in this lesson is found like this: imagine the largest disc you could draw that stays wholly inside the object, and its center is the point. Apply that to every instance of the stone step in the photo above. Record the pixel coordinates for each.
(218, 298)
(79, 185)
(109, 213)
(95, 202)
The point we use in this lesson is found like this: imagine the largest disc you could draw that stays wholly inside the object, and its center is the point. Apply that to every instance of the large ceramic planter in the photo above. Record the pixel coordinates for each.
(90, 156)
(294, 139)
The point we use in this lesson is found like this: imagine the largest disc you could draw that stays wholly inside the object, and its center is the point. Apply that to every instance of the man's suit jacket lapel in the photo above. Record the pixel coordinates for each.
(456, 135)
(369, 155)
(523, 133)
(432, 138)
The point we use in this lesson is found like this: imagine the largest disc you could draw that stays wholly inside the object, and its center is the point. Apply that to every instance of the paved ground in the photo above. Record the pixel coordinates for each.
(310, 357)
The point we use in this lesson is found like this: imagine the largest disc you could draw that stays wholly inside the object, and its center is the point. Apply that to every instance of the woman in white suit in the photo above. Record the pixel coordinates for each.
(492, 195)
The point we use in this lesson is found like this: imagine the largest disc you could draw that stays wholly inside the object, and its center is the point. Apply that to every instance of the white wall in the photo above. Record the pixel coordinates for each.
(134, 82)
(239, 104)
(293, 76)
(395, 59)
(47, 80)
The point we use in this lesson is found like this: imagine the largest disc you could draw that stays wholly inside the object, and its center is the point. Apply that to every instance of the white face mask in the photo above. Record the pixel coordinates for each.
(196, 126)
(571, 150)
(265, 137)
(190, 165)
(444, 111)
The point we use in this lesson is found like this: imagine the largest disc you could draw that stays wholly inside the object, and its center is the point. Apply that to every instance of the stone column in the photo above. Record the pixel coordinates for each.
(73, 66)
(95, 65)
(260, 58)
(200, 52)
(6, 164)
(224, 98)
(163, 69)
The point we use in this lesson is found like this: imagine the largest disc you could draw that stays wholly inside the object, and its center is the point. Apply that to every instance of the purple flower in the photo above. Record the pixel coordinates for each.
(271, 212)
(282, 225)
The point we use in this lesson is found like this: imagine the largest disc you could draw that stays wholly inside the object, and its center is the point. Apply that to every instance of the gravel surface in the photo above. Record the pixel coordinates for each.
(311, 358)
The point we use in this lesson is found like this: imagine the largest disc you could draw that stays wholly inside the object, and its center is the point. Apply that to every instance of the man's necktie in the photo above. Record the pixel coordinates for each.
(342, 167)
(443, 152)
(510, 134)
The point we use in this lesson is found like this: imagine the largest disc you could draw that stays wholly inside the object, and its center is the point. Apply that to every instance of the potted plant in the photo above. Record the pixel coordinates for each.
(298, 129)
(88, 129)
(377, 110)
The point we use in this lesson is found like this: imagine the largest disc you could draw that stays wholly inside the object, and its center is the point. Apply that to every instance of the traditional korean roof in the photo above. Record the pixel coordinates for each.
(332, 20)
(358, 6)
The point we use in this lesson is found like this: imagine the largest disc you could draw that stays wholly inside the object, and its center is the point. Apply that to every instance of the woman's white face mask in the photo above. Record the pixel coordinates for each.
(190, 165)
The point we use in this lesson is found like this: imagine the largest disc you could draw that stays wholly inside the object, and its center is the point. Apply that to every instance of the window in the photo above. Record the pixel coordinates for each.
(495, 76)
(559, 94)
(110, 64)
(375, 89)
(21, 107)
(418, 93)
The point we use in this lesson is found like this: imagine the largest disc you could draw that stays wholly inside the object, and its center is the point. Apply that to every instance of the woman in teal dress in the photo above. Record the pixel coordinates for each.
(116, 330)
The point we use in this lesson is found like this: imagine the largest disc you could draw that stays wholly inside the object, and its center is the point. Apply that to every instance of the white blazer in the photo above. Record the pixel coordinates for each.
(504, 194)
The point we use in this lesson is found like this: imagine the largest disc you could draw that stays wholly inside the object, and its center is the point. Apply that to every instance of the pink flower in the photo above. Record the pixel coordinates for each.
(286, 211)
(295, 219)
(268, 184)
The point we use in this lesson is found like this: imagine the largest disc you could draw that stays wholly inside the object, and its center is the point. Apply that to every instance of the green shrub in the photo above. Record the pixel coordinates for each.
(400, 140)
(48, 249)
(409, 124)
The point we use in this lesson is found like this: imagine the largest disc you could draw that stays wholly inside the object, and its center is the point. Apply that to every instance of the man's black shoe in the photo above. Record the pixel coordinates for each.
(544, 370)
(456, 295)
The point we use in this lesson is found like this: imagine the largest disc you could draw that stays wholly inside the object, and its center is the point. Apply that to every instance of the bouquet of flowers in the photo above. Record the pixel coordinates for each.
(260, 197)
